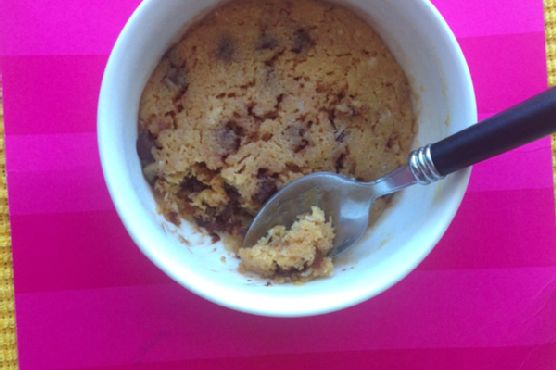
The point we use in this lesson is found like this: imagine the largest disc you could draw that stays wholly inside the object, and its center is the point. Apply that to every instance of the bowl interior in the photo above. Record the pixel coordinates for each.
(444, 101)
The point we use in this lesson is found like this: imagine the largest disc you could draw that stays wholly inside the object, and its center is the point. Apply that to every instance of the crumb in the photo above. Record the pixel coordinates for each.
(183, 240)
(296, 254)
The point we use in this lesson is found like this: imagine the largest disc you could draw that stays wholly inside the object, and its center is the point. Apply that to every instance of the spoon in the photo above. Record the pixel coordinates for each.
(347, 201)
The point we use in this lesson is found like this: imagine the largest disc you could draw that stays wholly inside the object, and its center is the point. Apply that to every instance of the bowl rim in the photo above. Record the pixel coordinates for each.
(208, 289)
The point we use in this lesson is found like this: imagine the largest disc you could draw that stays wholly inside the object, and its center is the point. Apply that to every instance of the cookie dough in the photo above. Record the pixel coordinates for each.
(297, 254)
(261, 92)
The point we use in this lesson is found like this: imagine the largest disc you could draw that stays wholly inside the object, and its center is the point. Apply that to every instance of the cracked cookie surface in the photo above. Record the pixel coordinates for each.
(259, 93)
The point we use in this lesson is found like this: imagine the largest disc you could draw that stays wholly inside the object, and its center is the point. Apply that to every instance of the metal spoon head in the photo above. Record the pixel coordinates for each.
(345, 202)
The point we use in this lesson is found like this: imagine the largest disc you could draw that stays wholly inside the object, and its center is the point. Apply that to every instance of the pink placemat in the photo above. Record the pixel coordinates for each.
(86, 297)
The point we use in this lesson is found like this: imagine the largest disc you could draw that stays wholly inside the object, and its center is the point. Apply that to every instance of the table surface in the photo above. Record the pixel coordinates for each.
(8, 350)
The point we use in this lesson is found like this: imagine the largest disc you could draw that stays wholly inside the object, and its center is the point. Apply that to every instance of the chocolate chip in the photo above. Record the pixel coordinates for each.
(205, 173)
(217, 219)
(272, 60)
(173, 217)
(225, 49)
(299, 147)
(229, 138)
(301, 41)
(229, 142)
(175, 78)
(215, 238)
(192, 185)
(208, 224)
(318, 262)
(266, 42)
(145, 145)
(267, 187)
(392, 141)
(340, 138)
(230, 218)
(273, 114)
(296, 134)
(211, 211)
(228, 221)
(340, 162)
(293, 168)
(233, 126)
(250, 107)
(233, 194)
(262, 173)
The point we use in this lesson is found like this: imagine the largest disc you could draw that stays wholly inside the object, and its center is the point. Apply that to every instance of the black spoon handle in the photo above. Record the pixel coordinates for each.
(516, 126)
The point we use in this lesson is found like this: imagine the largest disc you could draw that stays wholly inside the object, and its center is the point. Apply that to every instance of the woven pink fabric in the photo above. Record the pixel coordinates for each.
(86, 297)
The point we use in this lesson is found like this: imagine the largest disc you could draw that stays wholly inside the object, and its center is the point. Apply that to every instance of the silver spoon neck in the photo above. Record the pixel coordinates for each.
(420, 169)
(422, 166)
(394, 181)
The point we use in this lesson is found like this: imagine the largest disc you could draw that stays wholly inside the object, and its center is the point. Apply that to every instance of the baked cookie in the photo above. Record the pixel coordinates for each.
(261, 92)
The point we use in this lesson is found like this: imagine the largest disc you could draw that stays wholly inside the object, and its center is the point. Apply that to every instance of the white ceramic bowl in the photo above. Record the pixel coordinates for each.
(425, 47)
